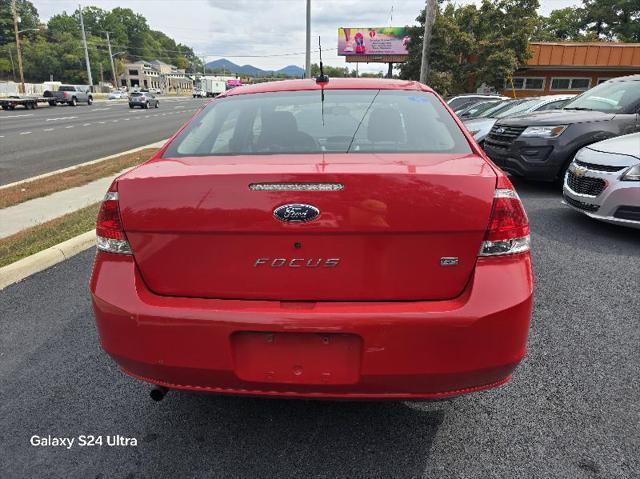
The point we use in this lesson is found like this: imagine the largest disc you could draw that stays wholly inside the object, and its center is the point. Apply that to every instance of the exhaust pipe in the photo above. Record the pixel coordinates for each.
(158, 393)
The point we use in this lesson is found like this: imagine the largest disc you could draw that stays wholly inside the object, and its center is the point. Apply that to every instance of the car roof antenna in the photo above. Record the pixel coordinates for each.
(322, 78)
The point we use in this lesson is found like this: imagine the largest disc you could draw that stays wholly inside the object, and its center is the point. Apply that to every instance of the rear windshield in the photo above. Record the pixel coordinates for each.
(136, 94)
(313, 122)
(67, 88)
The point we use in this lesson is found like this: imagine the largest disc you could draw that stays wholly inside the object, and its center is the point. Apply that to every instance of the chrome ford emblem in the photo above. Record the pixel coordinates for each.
(296, 213)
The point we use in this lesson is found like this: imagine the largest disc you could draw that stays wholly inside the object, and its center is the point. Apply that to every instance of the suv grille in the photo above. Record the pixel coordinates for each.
(585, 185)
(580, 204)
(593, 167)
(503, 136)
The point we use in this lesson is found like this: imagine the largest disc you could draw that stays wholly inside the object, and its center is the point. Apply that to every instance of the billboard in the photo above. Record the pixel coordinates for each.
(373, 41)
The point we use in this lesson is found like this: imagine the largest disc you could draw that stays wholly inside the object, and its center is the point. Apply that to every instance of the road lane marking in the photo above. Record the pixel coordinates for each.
(126, 119)
(115, 121)
(25, 133)
(48, 129)
(100, 109)
(179, 106)
(17, 116)
(86, 124)
(61, 118)
(102, 122)
(70, 126)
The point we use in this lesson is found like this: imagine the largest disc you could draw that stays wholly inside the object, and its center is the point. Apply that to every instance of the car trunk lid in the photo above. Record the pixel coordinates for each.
(402, 227)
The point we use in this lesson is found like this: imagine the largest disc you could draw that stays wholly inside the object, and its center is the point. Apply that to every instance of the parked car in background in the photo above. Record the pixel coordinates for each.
(541, 146)
(477, 109)
(199, 93)
(480, 127)
(70, 95)
(143, 100)
(603, 181)
(459, 102)
(117, 95)
(231, 263)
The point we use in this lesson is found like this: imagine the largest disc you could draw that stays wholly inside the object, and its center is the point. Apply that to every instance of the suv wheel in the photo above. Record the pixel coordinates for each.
(89, 101)
(73, 102)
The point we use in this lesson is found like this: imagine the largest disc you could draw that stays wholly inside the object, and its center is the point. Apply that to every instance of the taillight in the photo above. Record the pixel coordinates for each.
(109, 231)
(508, 231)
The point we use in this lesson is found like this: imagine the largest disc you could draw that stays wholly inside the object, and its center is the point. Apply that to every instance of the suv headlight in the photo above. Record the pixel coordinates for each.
(544, 131)
(632, 175)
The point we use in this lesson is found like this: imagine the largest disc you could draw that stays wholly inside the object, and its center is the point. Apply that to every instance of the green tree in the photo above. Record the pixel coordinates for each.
(474, 45)
(617, 20)
(28, 19)
(564, 24)
(332, 72)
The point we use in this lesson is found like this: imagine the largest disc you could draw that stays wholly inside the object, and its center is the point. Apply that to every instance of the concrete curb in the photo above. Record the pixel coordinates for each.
(157, 144)
(42, 260)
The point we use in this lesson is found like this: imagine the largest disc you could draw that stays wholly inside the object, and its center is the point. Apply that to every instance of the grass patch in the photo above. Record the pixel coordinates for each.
(40, 237)
(69, 179)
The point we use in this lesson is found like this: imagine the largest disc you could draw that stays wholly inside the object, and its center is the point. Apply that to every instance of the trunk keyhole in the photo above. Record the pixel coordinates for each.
(297, 245)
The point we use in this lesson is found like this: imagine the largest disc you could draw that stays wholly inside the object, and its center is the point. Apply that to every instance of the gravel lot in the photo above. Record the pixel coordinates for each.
(571, 411)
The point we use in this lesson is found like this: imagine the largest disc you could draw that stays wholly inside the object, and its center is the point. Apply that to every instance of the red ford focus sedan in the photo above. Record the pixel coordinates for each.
(340, 239)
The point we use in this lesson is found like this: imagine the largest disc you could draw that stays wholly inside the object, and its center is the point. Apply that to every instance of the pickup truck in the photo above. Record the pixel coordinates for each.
(70, 95)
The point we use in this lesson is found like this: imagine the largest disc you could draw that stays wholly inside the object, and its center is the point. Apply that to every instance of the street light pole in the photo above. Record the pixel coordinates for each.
(86, 50)
(429, 17)
(307, 59)
(19, 51)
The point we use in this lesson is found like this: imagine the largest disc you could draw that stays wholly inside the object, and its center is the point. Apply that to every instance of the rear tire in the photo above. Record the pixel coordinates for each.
(89, 101)
(146, 105)
(73, 102)
(157, 104)
(131, 106)
(52, 103)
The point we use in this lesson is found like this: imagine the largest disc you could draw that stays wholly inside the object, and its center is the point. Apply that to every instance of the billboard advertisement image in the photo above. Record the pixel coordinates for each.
(373, 41)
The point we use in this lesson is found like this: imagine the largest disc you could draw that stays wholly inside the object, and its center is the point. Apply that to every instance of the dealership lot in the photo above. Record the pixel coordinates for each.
(570, 411)
(50, 138)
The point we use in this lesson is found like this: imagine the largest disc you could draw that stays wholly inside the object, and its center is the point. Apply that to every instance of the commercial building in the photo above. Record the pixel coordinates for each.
(556, 68)
(155, 74)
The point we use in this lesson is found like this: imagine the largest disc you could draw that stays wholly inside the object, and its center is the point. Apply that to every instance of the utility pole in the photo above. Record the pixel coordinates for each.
(113, 68)
(14, 9)
(86, 50)
(429, 17)
(307, 58)
(13, 67)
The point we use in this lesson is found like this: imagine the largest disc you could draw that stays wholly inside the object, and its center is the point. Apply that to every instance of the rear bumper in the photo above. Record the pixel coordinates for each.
(407, 349)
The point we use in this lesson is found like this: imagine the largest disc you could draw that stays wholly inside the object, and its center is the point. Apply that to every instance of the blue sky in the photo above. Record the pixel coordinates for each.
(253, 31)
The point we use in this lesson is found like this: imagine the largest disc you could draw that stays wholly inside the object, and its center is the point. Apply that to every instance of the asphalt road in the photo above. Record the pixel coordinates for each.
(38, 141)
(571, 410)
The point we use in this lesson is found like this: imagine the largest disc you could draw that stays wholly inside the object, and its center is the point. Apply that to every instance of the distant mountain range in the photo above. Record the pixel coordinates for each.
(251, 71)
